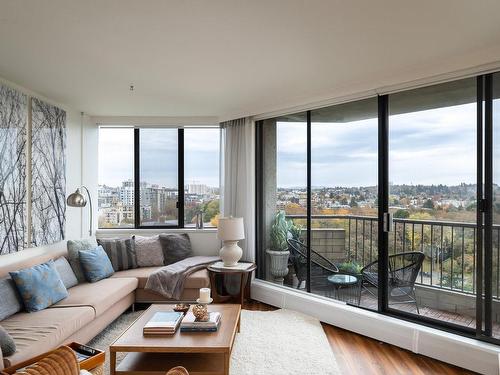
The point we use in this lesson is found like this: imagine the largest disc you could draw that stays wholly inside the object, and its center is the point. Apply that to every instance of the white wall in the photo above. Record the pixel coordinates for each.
(73, 158)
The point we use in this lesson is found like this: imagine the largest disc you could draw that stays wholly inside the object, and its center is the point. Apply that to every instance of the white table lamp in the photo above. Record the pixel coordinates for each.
(230, 231)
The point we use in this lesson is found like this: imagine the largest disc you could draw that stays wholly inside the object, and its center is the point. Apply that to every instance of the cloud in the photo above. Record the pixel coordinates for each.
(427, 147)
(159, 155)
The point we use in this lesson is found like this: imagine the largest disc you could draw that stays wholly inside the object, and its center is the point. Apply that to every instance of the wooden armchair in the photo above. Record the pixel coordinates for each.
(178, 371)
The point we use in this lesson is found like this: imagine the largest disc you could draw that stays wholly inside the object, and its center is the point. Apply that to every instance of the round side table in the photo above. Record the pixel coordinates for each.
(346, 288)
(217, 283)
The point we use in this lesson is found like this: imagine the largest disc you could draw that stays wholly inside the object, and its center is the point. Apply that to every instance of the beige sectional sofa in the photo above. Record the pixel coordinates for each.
(87, 310)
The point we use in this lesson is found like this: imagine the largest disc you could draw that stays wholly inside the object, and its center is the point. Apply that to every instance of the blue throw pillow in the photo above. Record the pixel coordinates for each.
(39, 286)
(95, 264)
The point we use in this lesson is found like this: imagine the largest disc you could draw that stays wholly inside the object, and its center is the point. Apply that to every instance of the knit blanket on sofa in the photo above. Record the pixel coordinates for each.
(169, 280)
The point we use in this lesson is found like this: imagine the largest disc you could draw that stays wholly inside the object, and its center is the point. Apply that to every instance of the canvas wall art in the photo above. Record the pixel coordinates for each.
(48, 173)
(13, 124)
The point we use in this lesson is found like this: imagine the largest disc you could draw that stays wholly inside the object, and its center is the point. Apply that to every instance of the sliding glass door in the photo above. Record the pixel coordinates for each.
(432, 199)
(389, 203)
(344, 221)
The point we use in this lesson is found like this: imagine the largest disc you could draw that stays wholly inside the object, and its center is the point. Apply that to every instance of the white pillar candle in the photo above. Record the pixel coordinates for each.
(204, 295)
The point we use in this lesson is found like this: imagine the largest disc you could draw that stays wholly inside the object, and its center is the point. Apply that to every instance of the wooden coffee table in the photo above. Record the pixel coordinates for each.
(201, 353)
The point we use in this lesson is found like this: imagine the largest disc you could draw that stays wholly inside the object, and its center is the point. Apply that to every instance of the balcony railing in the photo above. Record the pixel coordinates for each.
(449, 247)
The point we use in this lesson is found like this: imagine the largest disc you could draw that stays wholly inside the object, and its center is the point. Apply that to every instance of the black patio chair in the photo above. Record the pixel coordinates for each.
(403, 271)
(321, 267)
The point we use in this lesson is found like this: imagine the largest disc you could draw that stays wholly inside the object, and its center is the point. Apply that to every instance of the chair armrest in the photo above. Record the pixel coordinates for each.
(1, 361)
(368, 266)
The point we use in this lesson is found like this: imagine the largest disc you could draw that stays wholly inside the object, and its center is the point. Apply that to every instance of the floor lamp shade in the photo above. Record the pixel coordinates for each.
(230, 230)
(77, 199)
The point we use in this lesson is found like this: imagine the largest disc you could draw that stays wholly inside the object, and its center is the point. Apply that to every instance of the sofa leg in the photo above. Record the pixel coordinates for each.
(133, 307)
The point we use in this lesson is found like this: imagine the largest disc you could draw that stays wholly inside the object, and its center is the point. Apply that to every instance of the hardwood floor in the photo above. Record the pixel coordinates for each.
(357, 354)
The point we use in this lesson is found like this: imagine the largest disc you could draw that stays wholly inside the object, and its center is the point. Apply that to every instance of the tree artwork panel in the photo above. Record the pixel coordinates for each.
(48, 183)
(13, 122)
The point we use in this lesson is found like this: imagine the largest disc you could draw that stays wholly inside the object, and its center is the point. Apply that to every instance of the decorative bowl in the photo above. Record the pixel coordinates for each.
(182, 307)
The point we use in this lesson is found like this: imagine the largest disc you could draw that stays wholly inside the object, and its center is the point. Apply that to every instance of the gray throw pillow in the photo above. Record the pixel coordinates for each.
(148, 251)
(120, 251)
(74, 246)
(175, 247)
(66, 273)
(7, 344)
(10, 300)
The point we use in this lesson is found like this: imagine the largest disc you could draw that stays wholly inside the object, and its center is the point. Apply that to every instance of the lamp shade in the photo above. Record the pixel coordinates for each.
(231, 229)
(76, 199)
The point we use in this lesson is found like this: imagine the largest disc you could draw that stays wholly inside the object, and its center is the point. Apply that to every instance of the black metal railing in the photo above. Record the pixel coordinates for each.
(449, 247)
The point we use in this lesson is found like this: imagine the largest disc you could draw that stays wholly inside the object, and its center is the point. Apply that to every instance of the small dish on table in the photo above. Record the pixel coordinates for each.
(182, 307)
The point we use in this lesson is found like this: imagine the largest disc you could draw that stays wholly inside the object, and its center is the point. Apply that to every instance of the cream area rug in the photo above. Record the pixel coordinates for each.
(280, 342)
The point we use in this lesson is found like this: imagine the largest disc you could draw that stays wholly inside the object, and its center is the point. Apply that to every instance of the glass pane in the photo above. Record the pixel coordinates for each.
(344, 200)
(116, 178)
(496, 208)
(158, 177)
(432, 177)
(284, 179)
(201, 174)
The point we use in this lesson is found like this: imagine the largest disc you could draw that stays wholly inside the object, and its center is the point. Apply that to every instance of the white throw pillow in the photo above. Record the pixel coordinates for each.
(148, 251)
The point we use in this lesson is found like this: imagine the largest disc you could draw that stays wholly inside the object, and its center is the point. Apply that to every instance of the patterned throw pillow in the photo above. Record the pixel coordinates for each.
(73, 248)
(10, 301)
(121, 252)
(148, 251)
(175, 247)
(39, 286)
(66, 273)
(95, 264)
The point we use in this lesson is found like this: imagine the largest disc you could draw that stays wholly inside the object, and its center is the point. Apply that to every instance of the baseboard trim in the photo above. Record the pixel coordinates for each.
(461, 351)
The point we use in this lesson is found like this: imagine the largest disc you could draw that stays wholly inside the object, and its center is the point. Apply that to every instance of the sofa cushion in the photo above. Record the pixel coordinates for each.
(36, 333)
(148, 251)
(11, 300)
(74, 246)
(40, 286)
(121, 252)
(147, 296)
(175, 247)
(7, 344)
(100, 295)
(95, 264)
(196, 280)
(66, 273)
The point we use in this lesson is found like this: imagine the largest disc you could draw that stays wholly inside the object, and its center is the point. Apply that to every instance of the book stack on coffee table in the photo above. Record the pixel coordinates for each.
(190, 324)
(163, 323)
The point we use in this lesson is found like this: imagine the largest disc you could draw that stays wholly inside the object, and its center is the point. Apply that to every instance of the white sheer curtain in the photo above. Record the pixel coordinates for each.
(238, 178)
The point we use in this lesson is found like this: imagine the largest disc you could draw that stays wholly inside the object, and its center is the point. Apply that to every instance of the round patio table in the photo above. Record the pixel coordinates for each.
(346, 287)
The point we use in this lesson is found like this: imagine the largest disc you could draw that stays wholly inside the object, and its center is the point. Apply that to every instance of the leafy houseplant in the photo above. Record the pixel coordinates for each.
(352, 268)
(278, 251)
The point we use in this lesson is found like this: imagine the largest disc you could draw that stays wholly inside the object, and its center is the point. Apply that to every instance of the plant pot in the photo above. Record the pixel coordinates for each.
(279, 264)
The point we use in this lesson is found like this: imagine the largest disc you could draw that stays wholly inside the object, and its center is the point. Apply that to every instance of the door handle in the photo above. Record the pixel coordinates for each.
(387, 225)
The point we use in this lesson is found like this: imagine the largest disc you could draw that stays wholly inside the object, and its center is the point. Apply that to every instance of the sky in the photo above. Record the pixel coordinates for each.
(159, 156)
(435, 146)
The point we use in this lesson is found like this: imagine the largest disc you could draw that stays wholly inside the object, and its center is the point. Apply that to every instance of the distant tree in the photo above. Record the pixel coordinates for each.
(344, 201)
(401, 214)
(428, 204)
(210, 210)
(353, 202)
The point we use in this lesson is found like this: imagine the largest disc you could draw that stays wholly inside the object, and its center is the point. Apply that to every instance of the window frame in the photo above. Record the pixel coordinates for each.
(137, 182)
(180, 181)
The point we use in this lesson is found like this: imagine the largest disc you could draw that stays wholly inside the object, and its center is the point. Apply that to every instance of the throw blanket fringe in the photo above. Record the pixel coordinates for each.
(169, 280)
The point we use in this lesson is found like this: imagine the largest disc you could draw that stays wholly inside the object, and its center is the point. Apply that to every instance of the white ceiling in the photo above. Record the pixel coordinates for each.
(230, 57)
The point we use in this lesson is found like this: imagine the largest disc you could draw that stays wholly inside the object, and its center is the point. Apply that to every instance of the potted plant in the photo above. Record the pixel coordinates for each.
(350, 267)
(278, 251)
